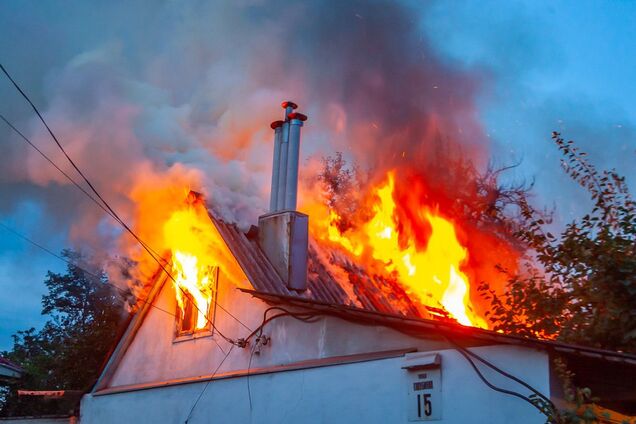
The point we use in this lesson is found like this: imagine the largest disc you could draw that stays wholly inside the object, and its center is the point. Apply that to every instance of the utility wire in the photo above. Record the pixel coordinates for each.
(247, 377)
(207, 384)
(311, 317)
(68, 177)
(153, 254)
(496, 388)
(123, 293)
(500, 371)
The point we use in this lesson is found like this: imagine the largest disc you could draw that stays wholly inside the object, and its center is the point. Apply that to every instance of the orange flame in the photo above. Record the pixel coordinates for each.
(433, 274)
(191, 263)
(190, 278)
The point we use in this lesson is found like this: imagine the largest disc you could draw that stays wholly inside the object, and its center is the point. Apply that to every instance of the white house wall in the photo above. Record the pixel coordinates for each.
(154, 357)
(369, 392)
(372, 391)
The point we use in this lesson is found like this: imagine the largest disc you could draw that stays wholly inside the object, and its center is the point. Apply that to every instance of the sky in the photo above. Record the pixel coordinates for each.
(144, 91)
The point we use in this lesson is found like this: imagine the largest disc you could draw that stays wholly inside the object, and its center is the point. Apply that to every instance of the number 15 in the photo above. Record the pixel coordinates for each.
(424, 400)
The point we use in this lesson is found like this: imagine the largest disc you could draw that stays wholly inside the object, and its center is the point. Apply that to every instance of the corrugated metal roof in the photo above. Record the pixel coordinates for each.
(331, 278)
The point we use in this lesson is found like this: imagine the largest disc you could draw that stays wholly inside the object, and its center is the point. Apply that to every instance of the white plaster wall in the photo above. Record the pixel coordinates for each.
(371, 392)
(366, 392)
(154, 357)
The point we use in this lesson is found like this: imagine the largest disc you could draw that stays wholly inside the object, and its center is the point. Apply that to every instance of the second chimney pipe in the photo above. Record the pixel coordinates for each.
(284, 154)
(293, 153)
(282, 167)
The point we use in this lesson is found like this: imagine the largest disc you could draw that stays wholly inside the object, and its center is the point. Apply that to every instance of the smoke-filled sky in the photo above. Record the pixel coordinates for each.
(153, 92)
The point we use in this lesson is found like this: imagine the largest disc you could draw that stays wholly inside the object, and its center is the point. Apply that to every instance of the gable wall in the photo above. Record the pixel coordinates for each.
(153, 356)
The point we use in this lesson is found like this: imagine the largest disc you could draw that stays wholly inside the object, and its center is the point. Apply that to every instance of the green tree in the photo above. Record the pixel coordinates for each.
(85, 315)
(579, 286)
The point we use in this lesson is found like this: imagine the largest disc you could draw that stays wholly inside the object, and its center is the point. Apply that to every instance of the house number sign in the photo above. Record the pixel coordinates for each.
(425, 395)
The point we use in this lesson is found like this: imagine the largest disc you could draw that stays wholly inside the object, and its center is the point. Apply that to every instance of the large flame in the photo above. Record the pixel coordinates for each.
(432, 273)
(192, 280)
(191, 263)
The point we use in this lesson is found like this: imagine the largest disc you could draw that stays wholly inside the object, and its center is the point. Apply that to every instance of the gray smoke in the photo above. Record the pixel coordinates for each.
(150, 89)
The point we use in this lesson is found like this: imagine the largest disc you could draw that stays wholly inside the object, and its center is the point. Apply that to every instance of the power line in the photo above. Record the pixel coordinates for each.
(90, 185)
(148, 249)
(68, 177)
(207, 384)
(492, 386)
(311, 317)
(123, 293)
(61, 258)
(499, 370)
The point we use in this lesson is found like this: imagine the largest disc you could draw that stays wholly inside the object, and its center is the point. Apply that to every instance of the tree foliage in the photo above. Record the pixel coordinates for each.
(476, 196)
(85, 314)
(341, 183)
(578, 286)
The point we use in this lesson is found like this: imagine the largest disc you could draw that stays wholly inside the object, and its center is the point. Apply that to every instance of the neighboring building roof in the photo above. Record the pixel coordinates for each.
(9, 369)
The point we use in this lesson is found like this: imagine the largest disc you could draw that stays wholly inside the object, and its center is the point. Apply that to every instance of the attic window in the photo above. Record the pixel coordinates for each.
(196, 291)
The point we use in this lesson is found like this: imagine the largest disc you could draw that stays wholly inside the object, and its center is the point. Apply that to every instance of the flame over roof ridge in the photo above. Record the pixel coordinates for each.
(353, 287)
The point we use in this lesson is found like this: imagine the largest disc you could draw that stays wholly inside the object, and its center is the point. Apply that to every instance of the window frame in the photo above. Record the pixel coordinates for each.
(208, 331)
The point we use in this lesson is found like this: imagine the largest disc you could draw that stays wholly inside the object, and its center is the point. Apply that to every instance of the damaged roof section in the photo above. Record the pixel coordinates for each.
(331, 278)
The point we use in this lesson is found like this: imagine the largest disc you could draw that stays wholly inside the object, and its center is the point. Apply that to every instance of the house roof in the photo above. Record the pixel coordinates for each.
(9, 370)
(360, 297)
(4, 362)
(354, 287)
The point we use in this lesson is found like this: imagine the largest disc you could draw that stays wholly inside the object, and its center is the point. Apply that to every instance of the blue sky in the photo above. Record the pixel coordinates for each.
(156, 74)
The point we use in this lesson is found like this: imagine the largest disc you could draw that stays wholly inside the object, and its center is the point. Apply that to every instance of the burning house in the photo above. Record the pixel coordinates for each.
(295, 321)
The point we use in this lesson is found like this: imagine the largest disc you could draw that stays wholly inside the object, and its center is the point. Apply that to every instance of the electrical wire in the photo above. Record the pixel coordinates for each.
(247, 377)
(207, 384)
(311, 317)
(303, 317)
(125, 294)
(153, 254)
(75, 183)
(307, 317)
(68, 177)
(492, 386)
(500, 371)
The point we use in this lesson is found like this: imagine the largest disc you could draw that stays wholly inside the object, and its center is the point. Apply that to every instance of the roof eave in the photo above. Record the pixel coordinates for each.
(400, 322)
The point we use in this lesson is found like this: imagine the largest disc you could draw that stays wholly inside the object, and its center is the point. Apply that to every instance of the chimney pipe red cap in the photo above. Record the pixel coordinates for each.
(299, 116)
(287, 104)
(276, 124)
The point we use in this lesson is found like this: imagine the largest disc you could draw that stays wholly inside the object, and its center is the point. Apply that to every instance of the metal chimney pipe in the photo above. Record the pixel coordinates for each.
(282, 167)
(293, 155)
(283, 233)
(284, 152)
(277, 126)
